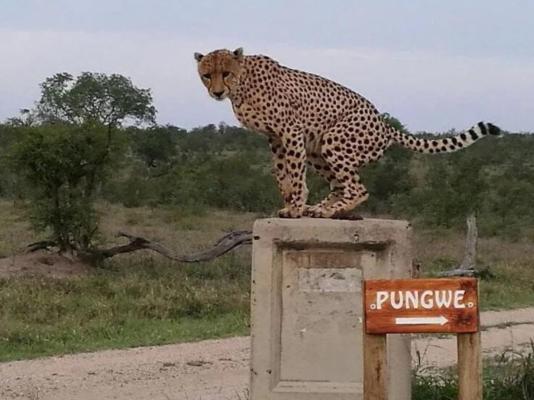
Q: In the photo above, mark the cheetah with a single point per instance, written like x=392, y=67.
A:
x=312, y=121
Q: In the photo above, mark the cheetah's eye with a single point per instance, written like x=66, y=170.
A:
x=206, y=76
x=225, y=74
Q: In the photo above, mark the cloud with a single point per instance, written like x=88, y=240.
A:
x=425, y=90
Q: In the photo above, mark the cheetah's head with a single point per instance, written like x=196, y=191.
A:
x=219, y=71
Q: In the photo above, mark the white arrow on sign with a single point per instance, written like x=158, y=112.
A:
x=441, y=320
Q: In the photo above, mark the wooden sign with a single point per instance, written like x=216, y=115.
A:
x=421, y=306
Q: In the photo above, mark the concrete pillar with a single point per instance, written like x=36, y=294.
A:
x=307, y=306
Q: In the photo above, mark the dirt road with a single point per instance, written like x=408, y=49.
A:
x=210, y=370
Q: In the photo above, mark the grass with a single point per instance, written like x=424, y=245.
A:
x=14, y=229
x=142, y=303
x=142, y=299
x=511, y=263
x=508, y=377
x=182, y=230
x=512, y=285
x=137, y=299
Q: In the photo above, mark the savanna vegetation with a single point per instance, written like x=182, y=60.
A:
x=89, y=159
x=228, y=168
x=509, y=376
x=94, y=137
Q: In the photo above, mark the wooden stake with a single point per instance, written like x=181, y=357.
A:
x=471, y=240
x=374, y=367
x=469, y=366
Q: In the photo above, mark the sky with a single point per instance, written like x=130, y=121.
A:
x=435, y=65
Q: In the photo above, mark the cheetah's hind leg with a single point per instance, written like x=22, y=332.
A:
x=320, y=166
x=322, y=209
x=353, y=194
x=317, y=210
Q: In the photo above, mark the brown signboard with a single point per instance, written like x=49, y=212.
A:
x=421, y=306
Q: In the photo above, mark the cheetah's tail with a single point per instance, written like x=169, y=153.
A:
x=445, y=145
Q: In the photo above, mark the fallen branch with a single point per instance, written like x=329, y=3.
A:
x=41, y=245
x=225, y=244
x=469, y=272
x=484, y=273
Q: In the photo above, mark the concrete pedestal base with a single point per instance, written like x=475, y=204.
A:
x=307, y=306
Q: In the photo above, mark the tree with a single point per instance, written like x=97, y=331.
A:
x=157, y=145
x=26, y=118
x=69, y=153
x=94, y=99
x=108, y=100
x=61, y=164
x=453, y=186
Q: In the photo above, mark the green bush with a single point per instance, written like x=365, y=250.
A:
x=68, y=144
x=64, y=165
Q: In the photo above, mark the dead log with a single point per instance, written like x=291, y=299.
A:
x=41, y=245
x=227, y=243
x=457, y=272
x=484, y=273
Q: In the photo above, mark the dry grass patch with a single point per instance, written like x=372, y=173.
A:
x=144, y=299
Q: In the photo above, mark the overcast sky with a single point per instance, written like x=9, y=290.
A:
x=435, y=65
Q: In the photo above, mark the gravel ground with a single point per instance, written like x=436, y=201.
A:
x=209, y=370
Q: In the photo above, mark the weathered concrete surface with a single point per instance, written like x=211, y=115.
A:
x=307, y=306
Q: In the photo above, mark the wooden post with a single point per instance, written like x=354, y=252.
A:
x=469, y=367
x=471, y=239
x=374, y=367
x=436, y=306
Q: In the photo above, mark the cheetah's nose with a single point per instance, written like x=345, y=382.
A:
x=218, y=94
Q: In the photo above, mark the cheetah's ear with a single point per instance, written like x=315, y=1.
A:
x=198, y=56
x=238, y=52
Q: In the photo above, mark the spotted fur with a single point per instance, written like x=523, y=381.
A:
x=313, y=121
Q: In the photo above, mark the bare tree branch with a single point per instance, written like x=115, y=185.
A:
x=225, y=244
x=483, y=273
x=458, y=272
x=41, y=245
